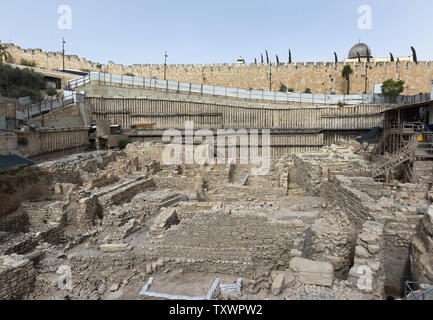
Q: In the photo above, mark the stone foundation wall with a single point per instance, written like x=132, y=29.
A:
x=422, y=251
x=423, y=172
x=17, y=277
x=368, y=274
x=357, y=205
x=92, y=208
x=26, y=242
x=220, y=242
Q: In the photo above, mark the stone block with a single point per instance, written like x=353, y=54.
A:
x=115, y=247
x=312, y=272
x=278, y=284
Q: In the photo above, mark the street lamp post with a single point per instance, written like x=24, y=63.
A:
x=366, y=77
x=63, y=51
x=165, y=66
x=270, y=76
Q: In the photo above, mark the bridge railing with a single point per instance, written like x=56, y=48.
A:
x=218, y=91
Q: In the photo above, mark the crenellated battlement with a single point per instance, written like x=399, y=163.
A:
x=319, y=77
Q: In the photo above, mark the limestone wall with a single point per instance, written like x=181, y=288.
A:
x=227, y=243
x=17, y=277
x=422, y=249
x=423, y=171
x=26, y=242
x=367, y=273
x=357, y=205
x=320, y=77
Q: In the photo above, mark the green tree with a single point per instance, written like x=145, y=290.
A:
x=15, y=83
x=283, y=88
x=123, y=144
x=347, y=71
x=391, y=89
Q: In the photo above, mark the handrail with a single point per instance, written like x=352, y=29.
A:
x=49, y=106
x=261, y=95
x=415, y=296
x=406, y=152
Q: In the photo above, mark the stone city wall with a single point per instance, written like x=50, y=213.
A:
x=320, y=77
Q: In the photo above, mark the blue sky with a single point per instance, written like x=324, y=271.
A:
x=202, y=31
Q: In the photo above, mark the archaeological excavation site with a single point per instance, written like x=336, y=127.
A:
x=128, y=188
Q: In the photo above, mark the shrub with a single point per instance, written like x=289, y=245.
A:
x=392, y=89
x=308, y=90
x=123, y=144
x=22, y=141
x=340, y=104
x=15, y=83
x=291, y=90
x=283, y=87
x=130, y=74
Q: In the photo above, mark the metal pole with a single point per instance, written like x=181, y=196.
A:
x=63, y=50
x=270, y=77
x=165, y=66
x=366, y=77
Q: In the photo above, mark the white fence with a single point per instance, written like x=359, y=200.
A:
x=30, y=111
x=262, y=95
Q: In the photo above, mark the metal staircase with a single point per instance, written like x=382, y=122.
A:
x=428, y=135
x=396, y=159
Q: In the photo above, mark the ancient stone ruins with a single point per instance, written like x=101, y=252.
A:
x=343, y=213
x=99, y=225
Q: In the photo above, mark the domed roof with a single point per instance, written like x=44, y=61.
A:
x=361, y=48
